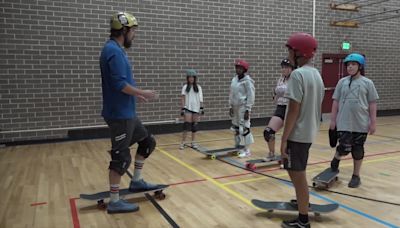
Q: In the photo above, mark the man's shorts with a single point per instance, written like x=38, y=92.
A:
x=125, y=133
x=280, y=111
x=297, y=156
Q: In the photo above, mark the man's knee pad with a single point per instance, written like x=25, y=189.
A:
x=186, y=126
x=358, y=152
x=120, y=161
x=343, y=149
x=194, y=127
x=269, y=134
x=146, y=146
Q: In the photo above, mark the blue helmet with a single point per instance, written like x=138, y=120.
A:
x=191, y=72
x=355, y=57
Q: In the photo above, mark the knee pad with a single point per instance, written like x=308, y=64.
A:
x=269, y=134
x=246, y=131
x=194, y=127
x=186, y=126
x=343, y=149
x=120, y=161
x=358, y=152
x=146, y=146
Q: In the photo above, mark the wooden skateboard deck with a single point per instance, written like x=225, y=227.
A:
x=213, y=154
x=122, y=192
x=270, y=206
x=325, y=179
x=256, y=163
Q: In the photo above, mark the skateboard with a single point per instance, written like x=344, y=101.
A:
x=325, y=179
x=317, y=209
x=256, y=163
x=100, y=196
x=213, y=154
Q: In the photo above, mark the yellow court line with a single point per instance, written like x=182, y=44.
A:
x=216, y=183
x=312, y=170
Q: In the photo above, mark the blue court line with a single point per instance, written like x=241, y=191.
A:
x=375, y=219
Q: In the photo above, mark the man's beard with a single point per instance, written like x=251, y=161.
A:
x=127, y=43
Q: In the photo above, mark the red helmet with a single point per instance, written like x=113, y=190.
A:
x=303, y=43
x=242, y=63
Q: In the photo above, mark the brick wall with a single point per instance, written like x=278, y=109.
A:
x=50, y=78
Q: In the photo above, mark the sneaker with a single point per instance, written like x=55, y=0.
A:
x=194, y=145
x=141, y=186
x=295, y=223
x=270, y=157
x=182, y=146
x=354, y=182
x=335, y=164
x=244, y=153
x=121, y=206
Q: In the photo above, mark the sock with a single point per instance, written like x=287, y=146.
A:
x=138, y=170
x=303, y=218
x=114, y=192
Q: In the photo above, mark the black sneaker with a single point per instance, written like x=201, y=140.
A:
x=335, y=164
x=354, y=182
x=295, y=223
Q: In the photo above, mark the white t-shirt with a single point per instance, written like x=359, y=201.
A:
x=192, y=99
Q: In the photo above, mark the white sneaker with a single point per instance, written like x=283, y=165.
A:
x=244, y=153
x=195, y=145
x=182, y=146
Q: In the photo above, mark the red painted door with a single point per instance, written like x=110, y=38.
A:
x=333, y=69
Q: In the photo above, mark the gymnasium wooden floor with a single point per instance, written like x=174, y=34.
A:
x=40, y=184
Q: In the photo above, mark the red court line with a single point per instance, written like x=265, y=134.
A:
x=74, y=212
x=37, y=204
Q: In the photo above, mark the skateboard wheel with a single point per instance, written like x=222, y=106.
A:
x=270, y=211
x=159, y=195
x=101, y=205
x=317, y=214
x=336, y=178
x=213, y=157
x=313, y=184
x=251, y=166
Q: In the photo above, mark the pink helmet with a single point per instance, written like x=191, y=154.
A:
x=242, y=63
x=303, y=43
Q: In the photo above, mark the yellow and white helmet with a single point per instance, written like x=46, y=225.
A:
x=122, y=19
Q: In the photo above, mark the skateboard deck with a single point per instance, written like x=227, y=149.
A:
x=123, y=192
x=317, y=209
x=325, y=179
x=256, y=163
x=213, y=154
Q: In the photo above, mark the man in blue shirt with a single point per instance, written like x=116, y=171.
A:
x=119, y=111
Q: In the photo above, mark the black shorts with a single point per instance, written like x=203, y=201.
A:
x=187, y=111
x=351, y=142
x=125, y=133
x=298, y=156
x=280, y=111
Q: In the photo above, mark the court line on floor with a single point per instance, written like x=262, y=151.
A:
x=208, y=178
x=348, y=208
x=74, y=212
x=312, y=170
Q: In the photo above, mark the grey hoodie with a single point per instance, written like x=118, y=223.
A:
x=242, y=92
